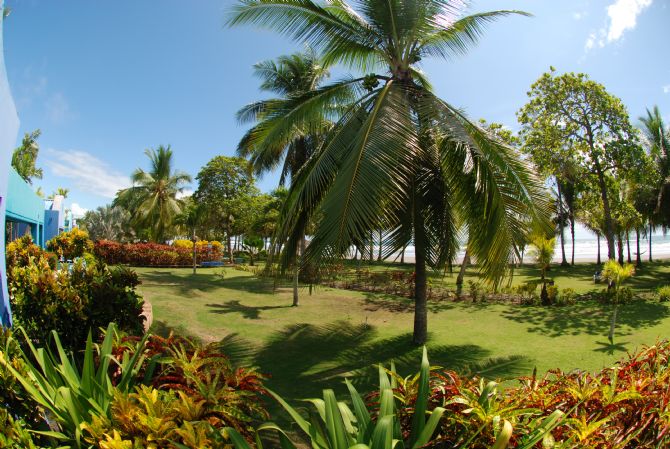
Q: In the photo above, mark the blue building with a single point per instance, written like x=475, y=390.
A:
x=24, y=213
x=54, y=218
x=9, y=127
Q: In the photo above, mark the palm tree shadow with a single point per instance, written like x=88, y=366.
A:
x=611, y=348
x=235, y=306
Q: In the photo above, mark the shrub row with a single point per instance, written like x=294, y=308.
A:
x=153, y=254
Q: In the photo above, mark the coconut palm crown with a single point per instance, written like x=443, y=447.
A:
x=153, y=198
x=398, y=156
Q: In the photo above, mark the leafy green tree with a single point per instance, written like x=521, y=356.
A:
x=225, y=186
x=107, y=223
x=24, y=158
x=583, y=123
x=398, y=154
x=62, y=191
x=153, y=200
x=252, y=244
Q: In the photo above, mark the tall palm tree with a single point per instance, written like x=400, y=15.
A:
x=398, y=145
x=289, y=77
x=152, y=200
x=657, y=136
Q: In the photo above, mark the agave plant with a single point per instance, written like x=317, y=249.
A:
x=336, y=426
x=71, y=396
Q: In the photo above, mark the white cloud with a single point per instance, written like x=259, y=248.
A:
x=579, y=15
x=621, y=17
x=88, y=172
x=77, y=210
x=184, y=193
x=666, y=89
x=57, y=108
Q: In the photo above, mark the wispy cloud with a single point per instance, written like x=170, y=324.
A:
x=579, y=15
x=621, y=17
x=185, y=193
x=87, y=172
x=666, y=89
x=57, y=108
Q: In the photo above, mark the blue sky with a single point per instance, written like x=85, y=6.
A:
x=105, y=80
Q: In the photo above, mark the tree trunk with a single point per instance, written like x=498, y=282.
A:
x=464, y=264
x=379, y=251
x=564, y=261
x=609, y=226
x=572, y=237
x=628, y=246
x=230, y=246
x=638, y=259
x=620, y=248
x=402, y=255
x=420, y=281
x=296, y=303
x=598, y=240
x=194, y=254
x=650, y=231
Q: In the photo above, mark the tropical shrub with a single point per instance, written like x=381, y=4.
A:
x=188, y=244
x=154, y=254
x=23, y=252
x=13, y=433
x=70, y=395
x=71, y=244
x=72, y=301
x=664, y=293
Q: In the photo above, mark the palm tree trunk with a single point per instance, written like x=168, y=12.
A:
x=564, y=261
x=598, y=243
x=628, y=246
x=379, y=251
x=296, y=271
x=194, y=255
x=572, y=237
x=650, y=231
x=420, y=281
x=402, y=255
x=230, y=246
x=620, y=248
x=607, y=212
x=464, y=264
x=638, y=259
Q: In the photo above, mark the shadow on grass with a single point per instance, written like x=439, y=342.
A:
x=205, y=280
x=588, y=318
x=248, y=312
x=303, y=359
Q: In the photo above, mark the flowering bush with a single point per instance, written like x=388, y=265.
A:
x=71, y=244
x=72, y=301
x=153, y=254
x=188, y=244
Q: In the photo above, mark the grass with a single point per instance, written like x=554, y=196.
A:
x=336, y=333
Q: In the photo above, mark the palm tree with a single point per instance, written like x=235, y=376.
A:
x=152, y=200
x=107, y=223
x=62, y=191
x=289, y=77
x=190, y=220
x=657, y=137
x=24, y=157
x=397, y=144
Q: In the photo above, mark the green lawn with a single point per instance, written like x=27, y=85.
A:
x=335, y=333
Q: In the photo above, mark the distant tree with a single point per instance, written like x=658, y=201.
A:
x=39, y=192
x=543, y=251
x=24, y=158
x=60, y=191
x=191, y=220
x=153, y=200
x=253, y=244
x=585, y=124
x=225, y=187
x=108, y=223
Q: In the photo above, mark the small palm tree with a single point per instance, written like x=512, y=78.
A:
x=190, y=220
x=397, y=154
x=24, y=157
x=152, y=200
x=107, y=223
x=543, y=251
x=616, y=275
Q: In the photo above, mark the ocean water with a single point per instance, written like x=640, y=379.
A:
x=586, y=249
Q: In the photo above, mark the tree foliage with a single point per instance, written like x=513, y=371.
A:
x=153, y=201
x=398, y=156
x=24, y=158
